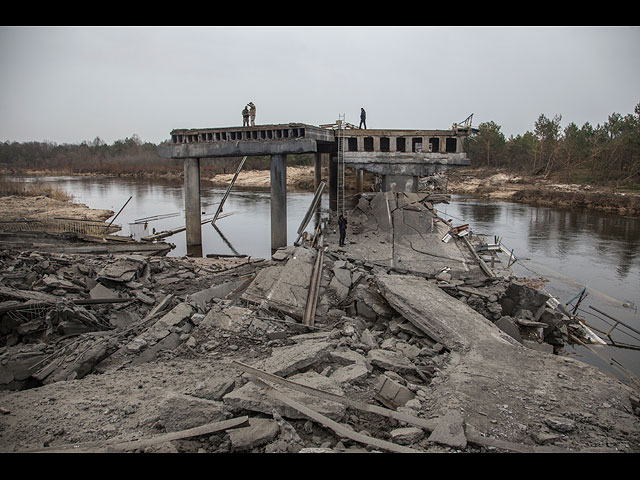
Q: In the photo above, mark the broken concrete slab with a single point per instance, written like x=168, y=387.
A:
x=285, y=361
x=406, y=435
x=201, y=298
x=350, y=374
x=101, y=292
x=284, y=287
x=390, y=360
x=123, y=269
x=253, y=398
x=449, y=430
x=179, y=412
x=391, y=393
x=178, y=315
x=214, y=388
x=232, y=319
x=259, y=432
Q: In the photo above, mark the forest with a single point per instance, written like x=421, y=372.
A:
x=607, y=154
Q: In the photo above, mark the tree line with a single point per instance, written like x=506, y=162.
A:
x=604, y=154
x=130, y=156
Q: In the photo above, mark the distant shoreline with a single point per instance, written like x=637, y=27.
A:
x=494, y=185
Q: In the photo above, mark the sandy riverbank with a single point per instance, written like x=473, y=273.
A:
x=531, y=190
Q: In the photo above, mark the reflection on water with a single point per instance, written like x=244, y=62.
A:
x=571, y=249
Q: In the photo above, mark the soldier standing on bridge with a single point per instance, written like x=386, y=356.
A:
x=342, y=225
x=245, y=116
x=363, y=118
x=252, y=113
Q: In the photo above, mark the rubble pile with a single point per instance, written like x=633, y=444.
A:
x=154, y=354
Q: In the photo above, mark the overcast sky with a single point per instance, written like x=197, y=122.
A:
x=72, y=84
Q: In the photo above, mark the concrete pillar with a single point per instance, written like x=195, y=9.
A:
x=192, y=201
x=392, y=144
x=333, y=183
x=278, y=201
x=317, y=170
x=359, y=180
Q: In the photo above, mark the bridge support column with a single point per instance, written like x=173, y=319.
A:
x=333, y=184
x=399, y=183
x=278, y=201
x=359, y=180
x=317, y=170
x=192, y=201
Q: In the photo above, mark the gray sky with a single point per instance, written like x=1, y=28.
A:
x=71, y=84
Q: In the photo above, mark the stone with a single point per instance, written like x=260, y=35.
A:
x=201, y=298
x=179, y=314
x=391, y=393
x=214, y=388
x=101, y=292
x=253, y=398
x=350, y=373
x=449, y=430
x=285, y=361
x=406, y=435
x=508, y=326
x=232, y=319
x=560, y=424
x=389, y=360
x=180, y=412
x=259, y=432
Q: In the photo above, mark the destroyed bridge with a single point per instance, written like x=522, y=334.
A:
x=400, y=157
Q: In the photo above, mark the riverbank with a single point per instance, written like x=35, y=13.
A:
x=500, y=185
x=483, y=183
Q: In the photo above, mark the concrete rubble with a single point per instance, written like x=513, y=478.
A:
x=414, y=349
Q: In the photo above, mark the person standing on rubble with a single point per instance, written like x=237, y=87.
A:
x=245, y=116
x=252, y=113
x=342, y=225
x=363, y=118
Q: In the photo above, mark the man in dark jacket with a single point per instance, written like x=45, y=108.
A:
x=342, y=224
x=363, y=118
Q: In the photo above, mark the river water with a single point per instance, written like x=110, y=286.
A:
x=571, y=249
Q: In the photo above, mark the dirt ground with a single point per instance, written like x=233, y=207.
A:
x=15, y=208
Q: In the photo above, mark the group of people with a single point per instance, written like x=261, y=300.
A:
x=249, y=115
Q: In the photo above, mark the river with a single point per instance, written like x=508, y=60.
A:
x=571, y=249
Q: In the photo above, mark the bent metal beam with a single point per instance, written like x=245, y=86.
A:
x=399, y=156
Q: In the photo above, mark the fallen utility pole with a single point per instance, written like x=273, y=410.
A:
x=314, y=287
x=312, y=208
x=226, y=194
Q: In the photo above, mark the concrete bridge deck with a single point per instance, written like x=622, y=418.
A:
x=399, y=156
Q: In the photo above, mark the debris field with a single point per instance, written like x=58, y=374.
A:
x=411, y=347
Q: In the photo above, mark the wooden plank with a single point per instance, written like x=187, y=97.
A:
x=340, y=429
x=473, y=435
x=105, y=446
